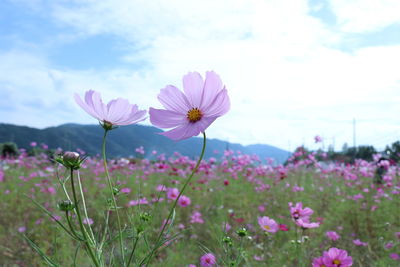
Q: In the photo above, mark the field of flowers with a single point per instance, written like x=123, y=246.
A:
x=66, y=209
x=237, y=211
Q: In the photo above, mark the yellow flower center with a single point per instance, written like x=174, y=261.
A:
x=337, y=262
x=266, y=227
x=194, y=115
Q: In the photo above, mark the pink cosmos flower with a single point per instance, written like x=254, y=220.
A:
x=395, y=256
x=306, y=224
x=208, y=260
x=196, y=217
x=172, y=193
x=191, y=112
x=359, y=243
x=335, y=257
x=268, y=225
x=318, y=262
x=116, y=112
x=184, y=201
x=332, y=235
x=317, y=139
x=298, y=212
x=88, y=221
x=283, y=227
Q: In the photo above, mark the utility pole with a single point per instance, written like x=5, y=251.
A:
x=354, y=133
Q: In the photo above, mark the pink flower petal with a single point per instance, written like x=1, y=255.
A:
x=173, y=99
x=98, y=105
x=165, y=118
x=212, y=86
x=85, y=106
x=193, y=87
x=182, y=132
x=117, y=109
x=219, y=106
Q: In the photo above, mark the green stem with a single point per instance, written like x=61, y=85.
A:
x=71, y=227
x=78, y=213
x=133, y=251
x=84, y=207
x=156, y=246
x=110, y=185
x=237, y=261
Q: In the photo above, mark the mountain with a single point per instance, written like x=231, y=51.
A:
x=123, y=141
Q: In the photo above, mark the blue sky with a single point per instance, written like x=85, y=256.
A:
x=293, y=68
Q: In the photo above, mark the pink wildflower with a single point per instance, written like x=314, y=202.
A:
x=88, y=221
x=283, y=227
x=172, y=193
x=395, y=256
x=298, y=212
x=335, y=257
x=191, y=112
x=116, y=112
x=184, y=201
x=318, y=262
x=125, y=190
x=268, y=225
x=305, y=223
x=196, y=218
x=332, y=235
x=358, y=242
x=208, y=260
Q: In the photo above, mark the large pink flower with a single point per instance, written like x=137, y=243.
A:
x=268, y=224
x=298, y=212
x=335, y=257
x=208, y=260
x=191, y=112
x=116, y=112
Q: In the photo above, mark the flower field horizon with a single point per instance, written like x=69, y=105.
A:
x=222, y=212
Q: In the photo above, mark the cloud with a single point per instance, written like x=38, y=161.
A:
x=365, y=15
x=287, y=77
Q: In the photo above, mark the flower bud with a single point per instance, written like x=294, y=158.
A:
x=70, y=160
x=227, y=240
x=242, y=232
x=115, y=191
x=144, y=216
x=65, y=205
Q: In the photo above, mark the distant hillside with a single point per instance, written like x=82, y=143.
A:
x=123, y=141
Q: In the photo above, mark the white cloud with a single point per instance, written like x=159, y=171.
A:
x=365, y=15
x=286, y=81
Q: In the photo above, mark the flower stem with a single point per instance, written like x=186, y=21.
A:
x=133, y=251
x=78, y=213
x=156, y=246
x=110, y=185
x=84, y=207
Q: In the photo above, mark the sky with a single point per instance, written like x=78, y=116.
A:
x=294, y=69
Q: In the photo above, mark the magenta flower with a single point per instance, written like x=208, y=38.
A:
x=318, y=262
x=268, y=225
x=172, y=193
x=184, y=201
x=116, y=112
x=298, y=212
x=208, y=260
x=335, y=257
x=306, y=224
x=191, y=112
x=358, y=242
x=196, y=217
x=332, y=235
